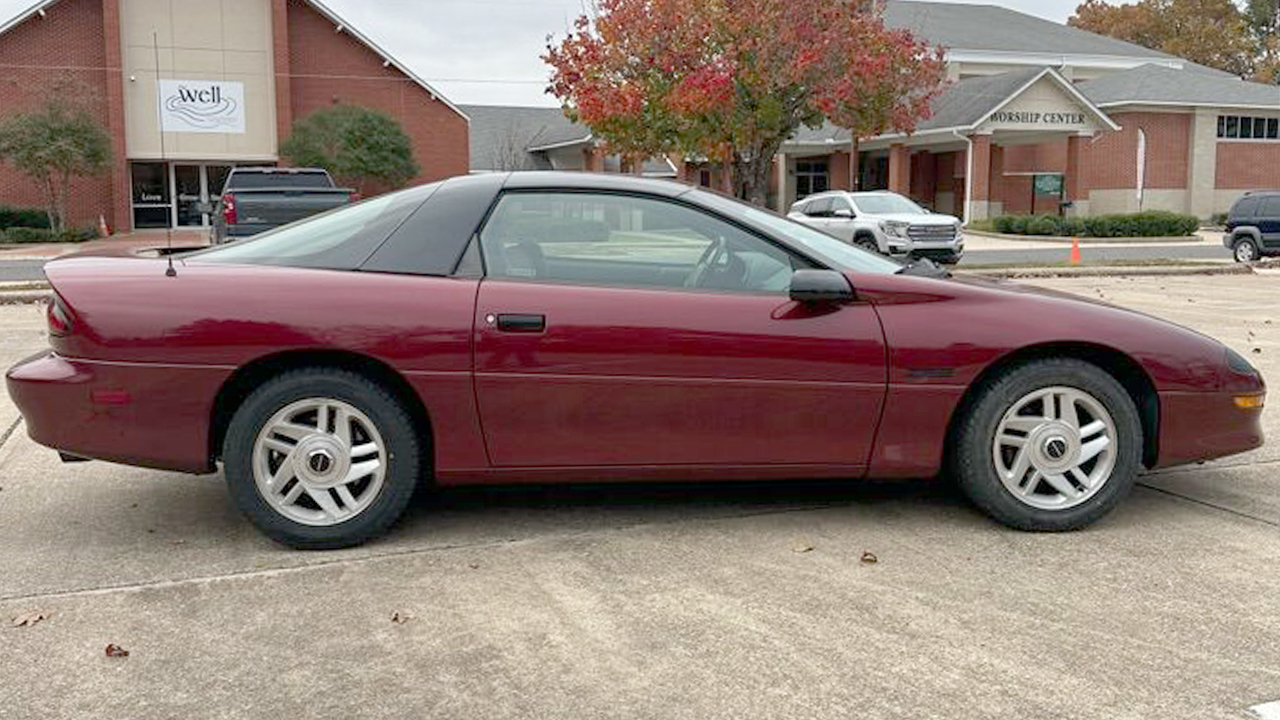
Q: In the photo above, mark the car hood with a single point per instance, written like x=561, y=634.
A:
x=984, y=319
x=916, y=218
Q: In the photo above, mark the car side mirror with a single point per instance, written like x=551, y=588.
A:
x=845, y=213
x=820, y=286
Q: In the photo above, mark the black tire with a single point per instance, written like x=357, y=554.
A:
x=974, y=468
x=866, y=242
x=1245, y=250
x=393, y=422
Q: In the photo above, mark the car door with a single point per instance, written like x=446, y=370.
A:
x=841, y=220
x=1268, y=220
x=818, y=214
x=620, y=330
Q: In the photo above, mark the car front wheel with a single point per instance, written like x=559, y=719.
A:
x=1246, y=250
x=321, y=459
x=1051, y=445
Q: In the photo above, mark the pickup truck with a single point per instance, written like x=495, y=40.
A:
x=257, y=199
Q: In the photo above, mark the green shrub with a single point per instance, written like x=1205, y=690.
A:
x=43, y=235
x=1042, y=225
x=1153, y=223
x=1218, y=220
x=22, y=217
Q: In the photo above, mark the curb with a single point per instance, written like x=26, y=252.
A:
x=1136, y=271
x=1167, y=240
x=23, y=297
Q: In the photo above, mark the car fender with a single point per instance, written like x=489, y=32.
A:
x=1248, y=231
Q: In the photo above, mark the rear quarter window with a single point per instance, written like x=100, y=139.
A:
x=1245, y=208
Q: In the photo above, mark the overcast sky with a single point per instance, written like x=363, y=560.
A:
x=487, y=51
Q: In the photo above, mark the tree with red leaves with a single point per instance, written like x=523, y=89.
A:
x=737, y=78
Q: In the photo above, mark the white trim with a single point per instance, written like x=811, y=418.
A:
x=344, y=26
x=1171, y=104
x=1011, y=57
x=558, y=145
x=36, y=9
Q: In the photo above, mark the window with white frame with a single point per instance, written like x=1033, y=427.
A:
x=1243, y=127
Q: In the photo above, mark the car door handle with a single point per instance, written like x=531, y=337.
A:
x=520, y=323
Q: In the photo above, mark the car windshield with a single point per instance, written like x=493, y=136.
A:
x=835, y=254
x=886, y=204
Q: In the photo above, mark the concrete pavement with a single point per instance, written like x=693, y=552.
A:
x=704, y=601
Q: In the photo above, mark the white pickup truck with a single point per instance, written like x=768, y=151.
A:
x=884, y=222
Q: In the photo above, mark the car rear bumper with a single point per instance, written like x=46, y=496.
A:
x=137, y=414
x=1204, y=426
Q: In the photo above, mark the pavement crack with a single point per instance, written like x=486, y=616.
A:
x=1214, y=506
x=9, y=433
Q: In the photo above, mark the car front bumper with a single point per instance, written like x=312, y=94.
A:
x=1198, y=426
x=153, y=416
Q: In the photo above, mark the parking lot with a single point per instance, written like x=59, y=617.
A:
x=670, y=601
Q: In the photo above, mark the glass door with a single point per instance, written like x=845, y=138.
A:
x=189, y=193
x=151, y=206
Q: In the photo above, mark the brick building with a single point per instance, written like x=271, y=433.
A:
x=232, y=77
x=1037, y=116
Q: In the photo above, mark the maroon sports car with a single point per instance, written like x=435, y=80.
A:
x=549, y=327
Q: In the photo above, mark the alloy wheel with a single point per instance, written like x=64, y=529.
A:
x=319, y=462
x=1246, y=252
x=1055, y=448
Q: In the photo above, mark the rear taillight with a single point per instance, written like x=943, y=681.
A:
x=60, y=323
x=356, y=197
x=229, y=209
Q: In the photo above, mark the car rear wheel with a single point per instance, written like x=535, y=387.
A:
x=1051, y=445
x=321, y=459
x=1246, y=250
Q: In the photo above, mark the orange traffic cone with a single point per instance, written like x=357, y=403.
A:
x=103, y=230
x=1075, y=251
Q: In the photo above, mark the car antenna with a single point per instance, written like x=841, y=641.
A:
x=171, y=271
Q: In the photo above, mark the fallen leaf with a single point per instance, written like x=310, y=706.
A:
x=803, y=549
x=400, y=618
x=1257, y=351
x=115, y=651
x=474, y=566
x=869, y=558
x=29, y=619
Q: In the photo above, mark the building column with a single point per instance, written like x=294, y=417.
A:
x=595, y=159
x=283, y=69
x=1074, y=187
x=121, y=215
x=900, y=169
x=1202, y=171
x=978, y=179
x=995, y=197
x=784, y=192
x=677, y=161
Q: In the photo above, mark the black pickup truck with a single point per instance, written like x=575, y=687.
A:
x=257, y=199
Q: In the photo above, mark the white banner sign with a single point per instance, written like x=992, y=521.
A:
x=202, y=106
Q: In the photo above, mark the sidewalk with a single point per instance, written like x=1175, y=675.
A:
x=977, y=242
x=139, y=240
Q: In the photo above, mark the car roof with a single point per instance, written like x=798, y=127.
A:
x=562, y=180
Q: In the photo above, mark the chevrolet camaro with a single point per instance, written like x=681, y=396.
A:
x=559, y=327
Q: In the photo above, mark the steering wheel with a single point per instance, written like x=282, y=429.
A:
x=709, y=256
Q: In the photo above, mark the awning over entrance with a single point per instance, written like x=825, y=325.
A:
x=977, y=117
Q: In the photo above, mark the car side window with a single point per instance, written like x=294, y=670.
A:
x=819, y=208
x=623, y=240
x=1270, y=207
x=1245, y=208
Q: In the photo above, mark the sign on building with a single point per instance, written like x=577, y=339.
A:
x=202, y=106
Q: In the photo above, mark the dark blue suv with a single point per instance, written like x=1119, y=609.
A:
x=1253, y=226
